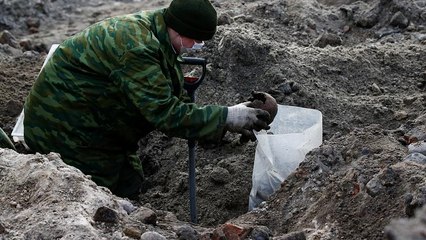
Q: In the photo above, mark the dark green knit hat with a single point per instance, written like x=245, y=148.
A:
x=196, y=19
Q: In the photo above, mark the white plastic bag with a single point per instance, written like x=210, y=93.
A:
x=294, y=132
x=18, y=129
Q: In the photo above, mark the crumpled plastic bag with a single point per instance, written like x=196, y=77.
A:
x=294, y=132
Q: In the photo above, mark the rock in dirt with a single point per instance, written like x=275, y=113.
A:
x=7, y=38
x=106, y=214
x=260, y=233
x=26, y=44
x=416, y=157
x=33, y=22
x=417, y=147
x=399, y=20
x=127, y=206
x=374, y=186
x=145, y=215
x=231, y=232
x=132, y=232
x=328, y=39
x=220, y=175
x=186, y=232
x=224, y=19
x=152, y=236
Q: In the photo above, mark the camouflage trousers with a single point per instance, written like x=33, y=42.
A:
x=123, y=175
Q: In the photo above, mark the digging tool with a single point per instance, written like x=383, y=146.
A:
x=191, y=84
x=5, y=141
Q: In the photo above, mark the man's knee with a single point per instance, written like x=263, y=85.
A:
x=129, y=183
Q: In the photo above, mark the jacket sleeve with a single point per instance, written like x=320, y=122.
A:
x=141, y=78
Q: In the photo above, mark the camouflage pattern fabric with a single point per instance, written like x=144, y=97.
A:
x=105, y=88
x=5, y=141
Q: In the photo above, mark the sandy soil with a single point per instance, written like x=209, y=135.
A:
x=362, y=64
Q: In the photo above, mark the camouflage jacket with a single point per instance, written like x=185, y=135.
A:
x=109, y=85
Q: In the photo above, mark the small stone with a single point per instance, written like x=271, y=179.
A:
x=368, y=19
x=30, y=54
x=127, y=206
x=170, y=217
x=7, y=38
x=186, y=232
x=333, y=17
x=224, y=19
x=388, y=177
x=399, y=20
x=409, y=100
x=105, y=214
x=417, y=147
x=33, y=22
x=401, y=115
x=376, y=88
x=40, y=47
x=288, y=88
x=145, y=215
x=420, y=36
x=260, y=233
x=374, y=187
x=346, y=29
x=152, y=236
x=328, y=39
x=132, y=232
x=311, y=24
x=231, y=232
x=411, y=27
x=249, y=18
x=220, y=175
x=33, y=30
x=416, y=157
x=26, y=44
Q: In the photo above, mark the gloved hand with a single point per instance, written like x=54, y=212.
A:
x=244, y=119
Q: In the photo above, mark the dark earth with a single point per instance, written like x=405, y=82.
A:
x=361, y=63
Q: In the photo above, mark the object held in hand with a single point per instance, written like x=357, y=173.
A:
x=264, y=101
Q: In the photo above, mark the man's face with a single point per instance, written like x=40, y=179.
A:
x=187, y=42
x=181, y=43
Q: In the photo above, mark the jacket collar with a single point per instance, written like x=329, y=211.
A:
x=159, y=28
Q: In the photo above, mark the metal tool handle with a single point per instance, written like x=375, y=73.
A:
x=190, y=85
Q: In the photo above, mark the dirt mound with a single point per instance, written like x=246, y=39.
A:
x=43, y=198
x=361, y=63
